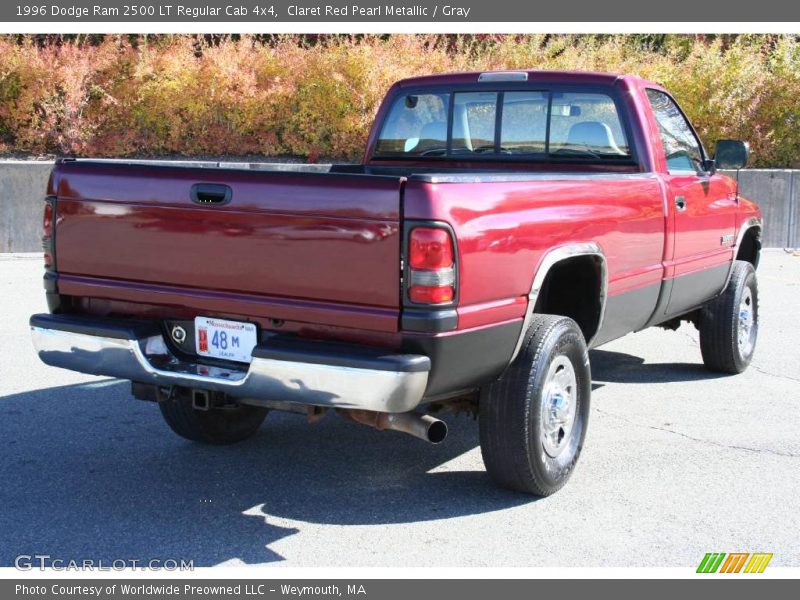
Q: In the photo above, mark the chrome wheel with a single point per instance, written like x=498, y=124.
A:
x=559, y=404
x=746, y=323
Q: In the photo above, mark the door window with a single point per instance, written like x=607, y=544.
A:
x=681, y=147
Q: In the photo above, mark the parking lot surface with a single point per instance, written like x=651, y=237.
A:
x=677, y=462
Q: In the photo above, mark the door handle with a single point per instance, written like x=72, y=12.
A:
x=211, y=193
x=680, y=203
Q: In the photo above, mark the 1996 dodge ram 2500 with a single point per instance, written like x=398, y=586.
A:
x=499, y=225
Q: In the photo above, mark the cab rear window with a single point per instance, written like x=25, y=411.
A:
x=498, y=124
x=415, y=126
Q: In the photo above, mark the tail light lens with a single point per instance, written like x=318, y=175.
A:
x=430, y=249
x=431, y=294
x=431, y=262
x=48, y=225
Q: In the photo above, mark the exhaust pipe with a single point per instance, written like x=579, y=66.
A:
x=424, y=427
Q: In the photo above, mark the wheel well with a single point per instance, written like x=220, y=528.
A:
x=573, y=288
x=750, y=247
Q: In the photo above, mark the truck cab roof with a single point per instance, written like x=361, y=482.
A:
x=530, y=75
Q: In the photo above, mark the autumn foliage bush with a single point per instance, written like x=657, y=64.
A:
x=316, y=97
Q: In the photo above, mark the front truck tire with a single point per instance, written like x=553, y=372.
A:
x=729, y=323
x=533, y=419
x=218, y=425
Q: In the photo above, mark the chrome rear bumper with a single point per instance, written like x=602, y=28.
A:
x=319, y=374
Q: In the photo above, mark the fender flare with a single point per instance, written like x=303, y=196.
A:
x=548, y=261
x=751, y=223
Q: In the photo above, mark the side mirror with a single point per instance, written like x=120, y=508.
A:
x=731, y=154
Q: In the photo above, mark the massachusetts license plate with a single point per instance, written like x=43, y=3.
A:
x=219, y=338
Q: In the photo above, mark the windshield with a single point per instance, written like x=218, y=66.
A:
x=582, y=125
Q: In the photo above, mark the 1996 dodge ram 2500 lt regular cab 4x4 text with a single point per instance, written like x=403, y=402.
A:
x=499, y=225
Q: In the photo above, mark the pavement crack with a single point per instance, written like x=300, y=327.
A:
x=700, y=440
x=776, y=375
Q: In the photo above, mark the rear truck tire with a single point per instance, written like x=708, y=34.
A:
x=217, y=425
x=533, y=419
x=729, y=323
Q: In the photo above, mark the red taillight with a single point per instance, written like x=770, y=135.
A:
x=431, y=262
x=427, y=294
x=47, y=232
x=430, y=248
x=47, y=218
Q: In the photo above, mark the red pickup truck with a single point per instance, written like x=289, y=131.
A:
x=499, y=225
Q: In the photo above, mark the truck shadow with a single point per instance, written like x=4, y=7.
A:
x=618, y=367
x=88, y=472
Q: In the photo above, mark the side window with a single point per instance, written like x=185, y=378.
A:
x=681, y=147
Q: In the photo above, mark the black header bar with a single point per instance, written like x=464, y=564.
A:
x=457, y=11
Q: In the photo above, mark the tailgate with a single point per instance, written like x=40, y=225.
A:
x=317, y=237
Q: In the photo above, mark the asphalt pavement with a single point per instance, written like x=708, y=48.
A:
x=677, y=462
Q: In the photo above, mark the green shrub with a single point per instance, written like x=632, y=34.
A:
x=316, y=96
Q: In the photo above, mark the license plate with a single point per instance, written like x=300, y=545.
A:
x=230, y=340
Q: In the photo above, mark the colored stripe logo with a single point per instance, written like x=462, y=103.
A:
x=734, y=562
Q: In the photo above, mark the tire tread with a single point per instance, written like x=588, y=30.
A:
x=718, y=323
x=507, y=457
